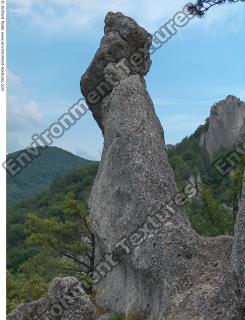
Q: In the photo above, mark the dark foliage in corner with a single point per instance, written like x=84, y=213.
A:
x=202, y=6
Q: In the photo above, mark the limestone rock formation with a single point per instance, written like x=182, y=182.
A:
x=66, y=301
x=148, y=258
x=238, y=256
x=226, y=125
x=123, y=40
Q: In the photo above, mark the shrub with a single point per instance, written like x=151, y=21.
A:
x=117, y=316
x=134, y=315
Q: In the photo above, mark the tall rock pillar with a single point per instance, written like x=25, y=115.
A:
x=148, y=258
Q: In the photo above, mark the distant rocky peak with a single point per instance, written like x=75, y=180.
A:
x=228, y=105
x=226, y=124
x=230, y=99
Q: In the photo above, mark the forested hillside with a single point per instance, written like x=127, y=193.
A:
x=211, y=212
x=44, y=232
x=32, y=264
x=55, y=217
x=188, y=158
x=40, y=173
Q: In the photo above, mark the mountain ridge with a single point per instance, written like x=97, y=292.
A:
x=52, y=163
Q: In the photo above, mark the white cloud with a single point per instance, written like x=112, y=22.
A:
x=23, y=120
x=14, y=82
x=59, y=16
x=22, y=117
x=20, y=7
x=242, y=95
x=21, y=114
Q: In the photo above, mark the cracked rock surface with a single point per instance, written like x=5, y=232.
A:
x=164, y=270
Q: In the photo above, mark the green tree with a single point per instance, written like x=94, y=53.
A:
x=32, y=266
x=66, y=242
x=208, y=217
x=21, y=289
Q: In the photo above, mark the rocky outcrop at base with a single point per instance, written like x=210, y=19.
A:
x=148, y=257
x=66, y=301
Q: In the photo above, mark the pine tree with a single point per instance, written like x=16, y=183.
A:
x=66, y=243
x=202, y=6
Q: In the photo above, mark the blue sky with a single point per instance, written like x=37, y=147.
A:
x=51, y=43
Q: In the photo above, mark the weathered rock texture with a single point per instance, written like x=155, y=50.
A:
x=122, y=39
x=66, y=301
x=164, y=269
x=238, y=257
x=226, y=125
